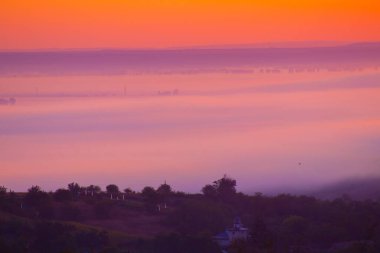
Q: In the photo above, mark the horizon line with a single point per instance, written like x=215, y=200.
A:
x=261, y=45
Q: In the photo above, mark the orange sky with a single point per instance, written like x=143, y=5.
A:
x=40, y=24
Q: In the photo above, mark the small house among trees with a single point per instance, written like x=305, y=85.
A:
x=237, y=233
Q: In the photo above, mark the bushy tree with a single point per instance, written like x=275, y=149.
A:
x=3, y=193
x=63, y=195
x=94, y=189
x=209, y=191
x=164, y=189
x=224, y=188
x=295, y=224
x=128, y=191
x=151, y=198
x=261, y=237
x=112, y=189
x=35, y=196
x=74, y=188
x=40, y=201
x=3, y=190
x=149, y=193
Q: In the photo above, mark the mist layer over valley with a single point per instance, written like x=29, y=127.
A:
x=274, y=126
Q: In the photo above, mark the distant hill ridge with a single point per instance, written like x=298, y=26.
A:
x=289, y=44
x=123, y=61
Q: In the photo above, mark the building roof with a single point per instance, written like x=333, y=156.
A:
x=222, y=236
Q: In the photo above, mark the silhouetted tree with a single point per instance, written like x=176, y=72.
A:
x=128, y=191
x=149, y=193
x=209, y=191
x=74, y=188
x=94, y=189
x=3, y=190
x=63, y=195
x=83, y=190
x=41, y=201
x=35, y=196
x=164, y=191
x=295, y=230
x=112, y=189
x=225, y=187
x=261, y=237
x=3, y=194
x=151, y=198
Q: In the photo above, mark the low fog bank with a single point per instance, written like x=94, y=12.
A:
x=358, y=188
x=273, y=132
x=361, y=188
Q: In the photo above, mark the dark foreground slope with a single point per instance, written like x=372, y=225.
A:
x=161, y=220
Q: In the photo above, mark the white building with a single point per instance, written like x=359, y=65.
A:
x=237, y=232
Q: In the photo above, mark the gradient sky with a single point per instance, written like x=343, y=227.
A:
x=41, y=24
